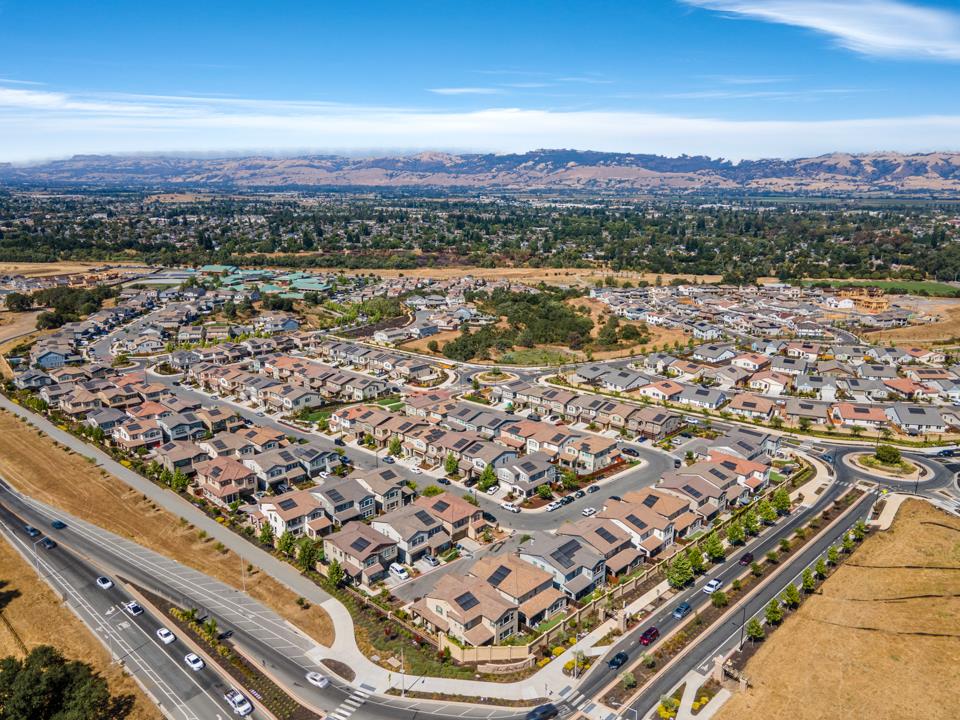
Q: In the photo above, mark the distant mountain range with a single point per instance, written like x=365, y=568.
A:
x=539, y=170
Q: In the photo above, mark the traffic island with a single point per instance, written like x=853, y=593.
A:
x=887, y=462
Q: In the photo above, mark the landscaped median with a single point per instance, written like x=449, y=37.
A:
x=724, y=605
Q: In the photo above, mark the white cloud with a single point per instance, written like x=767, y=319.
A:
x=883, y=28
x=38, y=124
x=464, y=91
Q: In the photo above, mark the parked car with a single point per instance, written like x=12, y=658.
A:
x=399, y=571
x=165, y=636
x=104, y=583
x=711, y=587
x=193, y=661
x=318, y=679
x=133, y=607
x=579, y=493
x=443, y=481
x=492, y=490
x=682, y=610
x=593, y=488
x=339, y=442
x=469, y=482
x=746, y=558
x=238, y=702
x=543, y=712
x=510, y=507
x=58, y=524
x=616, y=498
x=567, y=499
x=431, y=560
x=588, y=512
x=533, y=417
x=553, y=506
x=629, y=451
x=617, y=661
x=416, y=471
x=389, y=460
x=553, y=419
x=649, y=636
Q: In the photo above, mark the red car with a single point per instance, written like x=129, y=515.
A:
x=649, y=635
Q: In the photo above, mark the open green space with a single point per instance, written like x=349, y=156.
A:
x=907, y=287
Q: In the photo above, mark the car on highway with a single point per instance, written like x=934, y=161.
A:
x=746, y=558
x=593, y=489
x=58, y=524
x=543, y=712
x=318, y=679
x=682, y=610
x=104, y=583
x=31, y=530
x=711, y=587
x=238, y=702
x=649, y=635
x=165, y=636
x=510, y=507
x=617, y=661
x=588, y=512
x=133, y=607
x=555, y=505
x=48, y=543
x=193, y=661
x=630, y=452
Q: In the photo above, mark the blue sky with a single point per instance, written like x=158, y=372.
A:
x=732, y=78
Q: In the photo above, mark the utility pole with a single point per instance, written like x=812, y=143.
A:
x=743, y=621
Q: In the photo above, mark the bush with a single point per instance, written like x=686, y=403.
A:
x=887, y=454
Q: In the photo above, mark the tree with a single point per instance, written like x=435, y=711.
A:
x=766, y=512
x=335, y=573
x=210, y=628
x=629, y=680
x=450, y=464
x=179, y=482
x=776, y=422
x=166, y=477
x=790, y=595
x=308, y=552
x=719, y=599
x=735, y=532
x=808, y=581
x=266, y=534
x=781, y=500
x=833, y=555
x=857, y=430
x=487, y=479
x=713, y=547
x=679, y=572
x=847, y=543
x=695, y=558
x=18, y=302
x=544, y=492
x=395, y=446
x=773, y=612
x=285, y=543
x=431, y=491
x=805, y=424
x=887, y=454
x=859, y=530
x=750, y=522
x=820, y=568
x=755, y=631
x=45, y=685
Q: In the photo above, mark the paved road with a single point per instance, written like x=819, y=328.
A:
x=724, y=637
x=600, y=675
x=181, y=692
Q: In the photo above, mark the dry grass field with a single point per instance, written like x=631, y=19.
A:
x=947, y=328
x=46, y=269
x=37, y=616
x=33, y=464
x=882, y=640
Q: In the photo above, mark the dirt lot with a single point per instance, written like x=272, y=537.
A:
x=881, y=641
x=37, y=616
x=947, y=327
x=45, y=269
x=34, y=465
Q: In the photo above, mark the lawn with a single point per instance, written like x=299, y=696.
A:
x=536, y=356
x=908, y=287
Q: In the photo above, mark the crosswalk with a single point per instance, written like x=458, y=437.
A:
x=349, y=706
x=876, y=490
x=576, y=700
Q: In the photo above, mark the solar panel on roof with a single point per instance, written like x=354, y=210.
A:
x=650, y=500
x=335, y=495
x=360, y=544
x=562, y=560
x=691, y=491
x=441, y=505
x=636, y=521
x=424, y=517
x=287, y=504
x=466, y=601
x=499, y=575
x=605, y=534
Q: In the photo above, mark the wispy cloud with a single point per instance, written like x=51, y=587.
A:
x=586, y=80
x=812, y=94
x=464, y=91
x=882, y=28
x=11, y=81
x=40, y=123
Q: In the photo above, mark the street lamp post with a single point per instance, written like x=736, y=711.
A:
x=743, y=621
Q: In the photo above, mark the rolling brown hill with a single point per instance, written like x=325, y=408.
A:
x=557, y=170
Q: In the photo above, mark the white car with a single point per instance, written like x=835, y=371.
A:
x=193, y=661
x=588, y=512
x=510, y=507
x=165, y=636
x=324, y=474
x=238, y=702
x=711, y=587
x=133, y=607
x=553, y=506
x=318, y=679
x=416, y=471
x=493, y=490
x=399, y=571
x=104, y=583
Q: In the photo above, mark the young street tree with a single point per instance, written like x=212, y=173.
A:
x=833, y=555
x=679, y=572
x=266, y=535
x=781, y=500
x=450, y=464
x=285, y=543
x=791, y=595
x=713, y=547
x=755, y=630
x=395, y=446
x=695, y=558
x=750, y=522
x=808, y=581
x=766, y=512
x=773, y=612
x=820, y=568
x=335, y=573
x=735, y=533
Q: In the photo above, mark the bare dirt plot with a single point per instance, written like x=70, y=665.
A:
x=420, y=344
x=945, y=328
x=46, y=269
x=35, y=465
x=37, y=617
x=881, y=641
